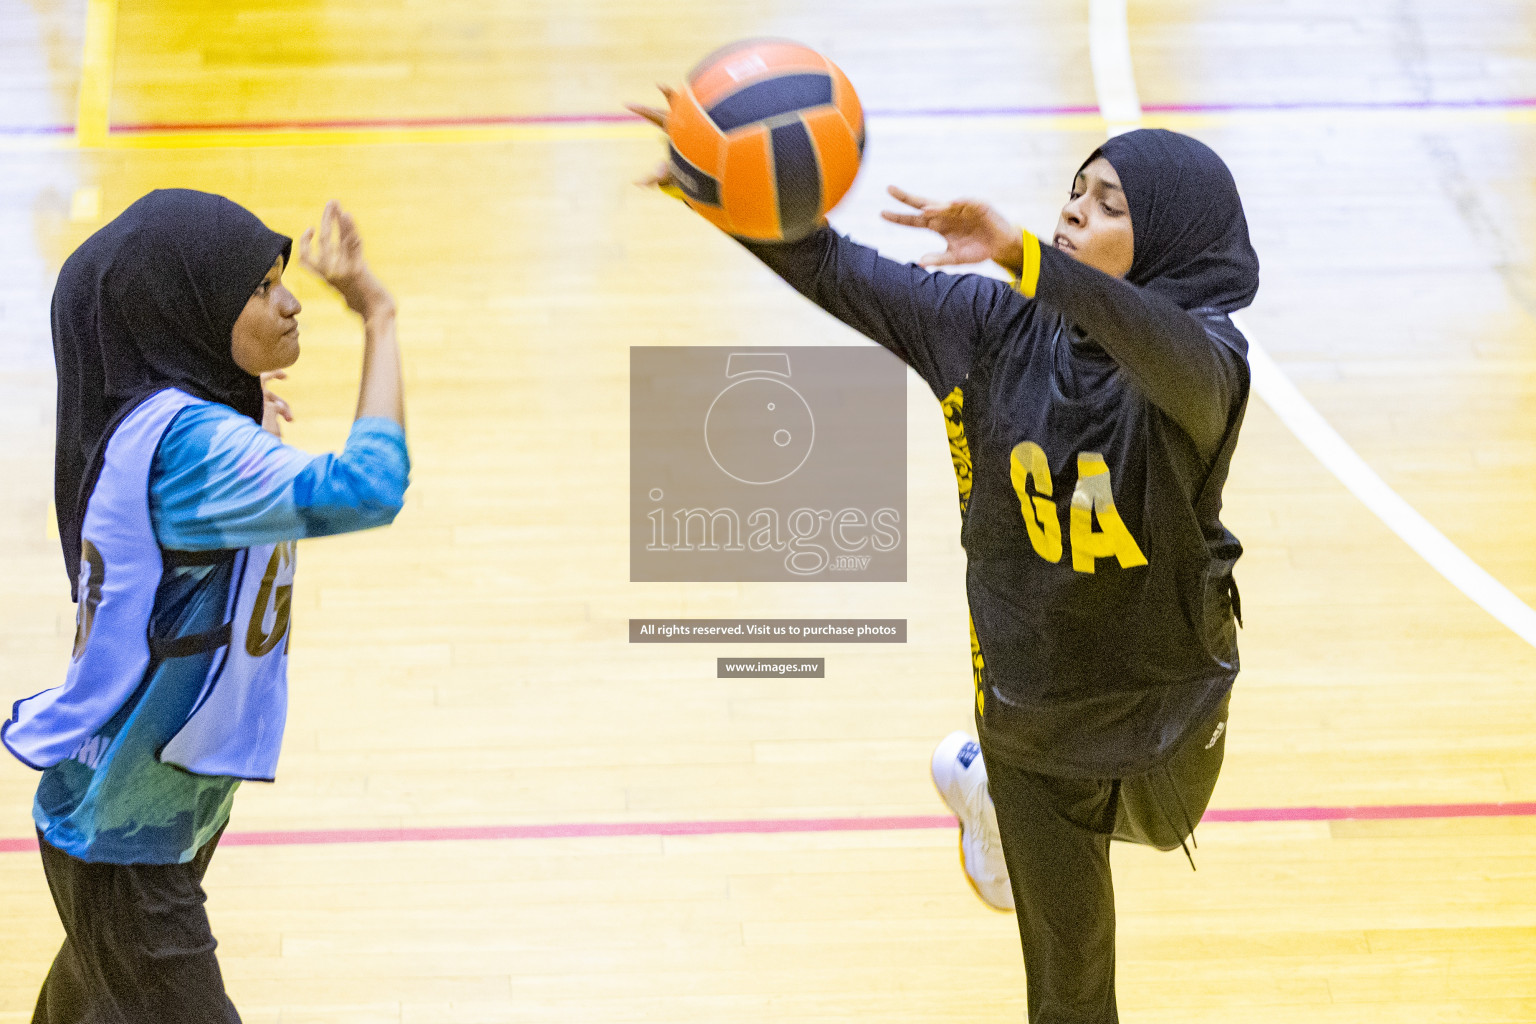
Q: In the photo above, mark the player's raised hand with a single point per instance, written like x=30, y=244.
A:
x=275, y=408
x=337, y=257
x=973, y=231
x=661, y=177
x=656, y=115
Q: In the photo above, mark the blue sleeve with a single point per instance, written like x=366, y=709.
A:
x=220, y=481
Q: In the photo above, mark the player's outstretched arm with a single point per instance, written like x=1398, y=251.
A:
x=337, y=257
x=931, y=321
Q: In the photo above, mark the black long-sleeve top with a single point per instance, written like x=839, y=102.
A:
x=1091, y=429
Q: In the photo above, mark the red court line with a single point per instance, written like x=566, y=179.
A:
x=1505, y=103
x=372, y=123
x=1378, y=812
x=1500, y=103
x=765, y=826
x=1049, y=110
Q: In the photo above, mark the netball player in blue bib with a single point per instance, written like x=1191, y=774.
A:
x=1092, y=410
x=178, y=509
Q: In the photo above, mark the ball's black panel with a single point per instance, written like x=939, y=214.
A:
x=783, y=95
x=696, y=185
x=798, y=175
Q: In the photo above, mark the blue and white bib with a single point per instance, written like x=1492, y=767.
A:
x=235, y=727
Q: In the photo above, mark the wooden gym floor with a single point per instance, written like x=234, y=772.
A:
x=469, y=668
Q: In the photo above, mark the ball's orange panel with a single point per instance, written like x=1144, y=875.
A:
x=693, y=134
x=837, y=149
x=730, y=68
x=712, y=214
x=846, y=100
x=747, y=188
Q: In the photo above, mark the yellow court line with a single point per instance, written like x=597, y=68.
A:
x=95, y=102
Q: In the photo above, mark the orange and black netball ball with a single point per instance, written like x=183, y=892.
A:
x=766, y=137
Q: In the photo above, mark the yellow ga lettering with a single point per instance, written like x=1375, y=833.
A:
x=1093, y=498
x=1028, y=463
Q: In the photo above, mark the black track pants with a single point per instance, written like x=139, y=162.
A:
x=137, y=947
x=1056, y=834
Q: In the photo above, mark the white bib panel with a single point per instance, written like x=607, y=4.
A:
x=236, y=727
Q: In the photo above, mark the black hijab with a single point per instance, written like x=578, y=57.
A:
x=149, y=302
x=1191, y=238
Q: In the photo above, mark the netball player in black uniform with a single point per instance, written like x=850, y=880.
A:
x=1092, y=409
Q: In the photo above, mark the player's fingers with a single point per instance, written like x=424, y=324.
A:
x=911, y=220
x=328, y=226
x=305, y=256
x=945, y=213
x=911, y=200
x=321, y=238
x=661, y=178
x=937, y=259
x=651, y=114
x=347, y=234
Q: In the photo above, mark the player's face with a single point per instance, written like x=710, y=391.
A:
x=1095, y=225
x=266, y=336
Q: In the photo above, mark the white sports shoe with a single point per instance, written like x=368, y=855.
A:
x=960, y=776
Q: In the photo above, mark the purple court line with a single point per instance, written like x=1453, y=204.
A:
x=37, y=129
x=1516, y=103
x=767, y=826
x=1511, y=103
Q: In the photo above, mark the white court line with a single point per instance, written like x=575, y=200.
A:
x=1109, y=48
x=1114, y=76
x=1363, y=482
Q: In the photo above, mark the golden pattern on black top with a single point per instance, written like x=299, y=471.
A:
x=959, y=451
x=977, y=670
x=960, y=455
